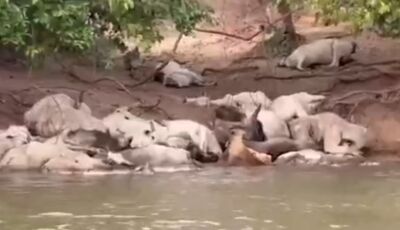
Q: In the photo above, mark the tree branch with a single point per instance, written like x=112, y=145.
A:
x=261, y=29
x=177, y=43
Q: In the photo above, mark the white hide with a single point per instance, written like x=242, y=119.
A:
x=13, y=137
x=52, y=157
x=199, y=101
x=302, y=157
x=55, y=113
x=176, y=75
x=245, y=101
x=323, y=51
x=301, y=104
x=31, y=156
x=310, y=157
x=118, y=159
x=201, y=136
x=331, y=130
x=120, y=114
x=122, y=121
x=74, y=163
x=156, y=155
x=146, y=132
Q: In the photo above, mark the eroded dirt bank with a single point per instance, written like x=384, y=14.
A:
x=371, y=90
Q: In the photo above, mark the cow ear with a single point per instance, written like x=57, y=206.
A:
x=152, y=127
x=118, y=130
x=129, y=108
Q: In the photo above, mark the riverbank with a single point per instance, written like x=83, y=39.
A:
x=371, y=95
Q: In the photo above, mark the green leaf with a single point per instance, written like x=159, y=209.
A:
x=384, y=8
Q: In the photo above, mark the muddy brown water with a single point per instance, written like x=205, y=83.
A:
x=361, y=198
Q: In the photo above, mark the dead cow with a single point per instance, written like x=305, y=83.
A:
x=175, y=75
x=13, y=137
x=55, y=113
x=324, y=51
x=238, y=154
x=252, y=127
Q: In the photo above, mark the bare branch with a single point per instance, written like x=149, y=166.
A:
x=261, y=29
x=177, y=43
x=155, y=106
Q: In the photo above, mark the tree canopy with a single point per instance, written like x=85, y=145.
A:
x=381, y=16
x=39, y=27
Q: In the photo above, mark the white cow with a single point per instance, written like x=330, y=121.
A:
x=36, y=155
x=175, y=75
x=13, y=137
x=331, y=132
x=244, y=101
x=324, y=51
x=55, y=113
x=176, y=133
x=300, y=104
x=157, y=155
x=311, y=157
x=122, y=121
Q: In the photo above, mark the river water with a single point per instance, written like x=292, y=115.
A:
x=362, y=198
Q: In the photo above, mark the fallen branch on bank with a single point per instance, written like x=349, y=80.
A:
x=343, y=70
x=16, y=99
x=124, y=87
x=229, y=70
x=155, y=106
x=382, y=96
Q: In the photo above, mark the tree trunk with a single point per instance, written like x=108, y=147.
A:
x=288, y=25
x=284, y=39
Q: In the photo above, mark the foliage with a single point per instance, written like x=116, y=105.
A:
x=40, y=27
x=139, y=18
x=382, y=16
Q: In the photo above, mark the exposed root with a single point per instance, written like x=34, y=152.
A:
x=148, y=107
x=120, y=84
x=378, y=93
x=72, y=73
x=16, y=100
x=371, y=64
x=343, y=70
x=45, y=87
x=210, y=83
x=242, y=59
x=229, y=70
x=382, y=96
x=44, y=91
x=154, y=107
x=308, y=75
x=338, y=81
